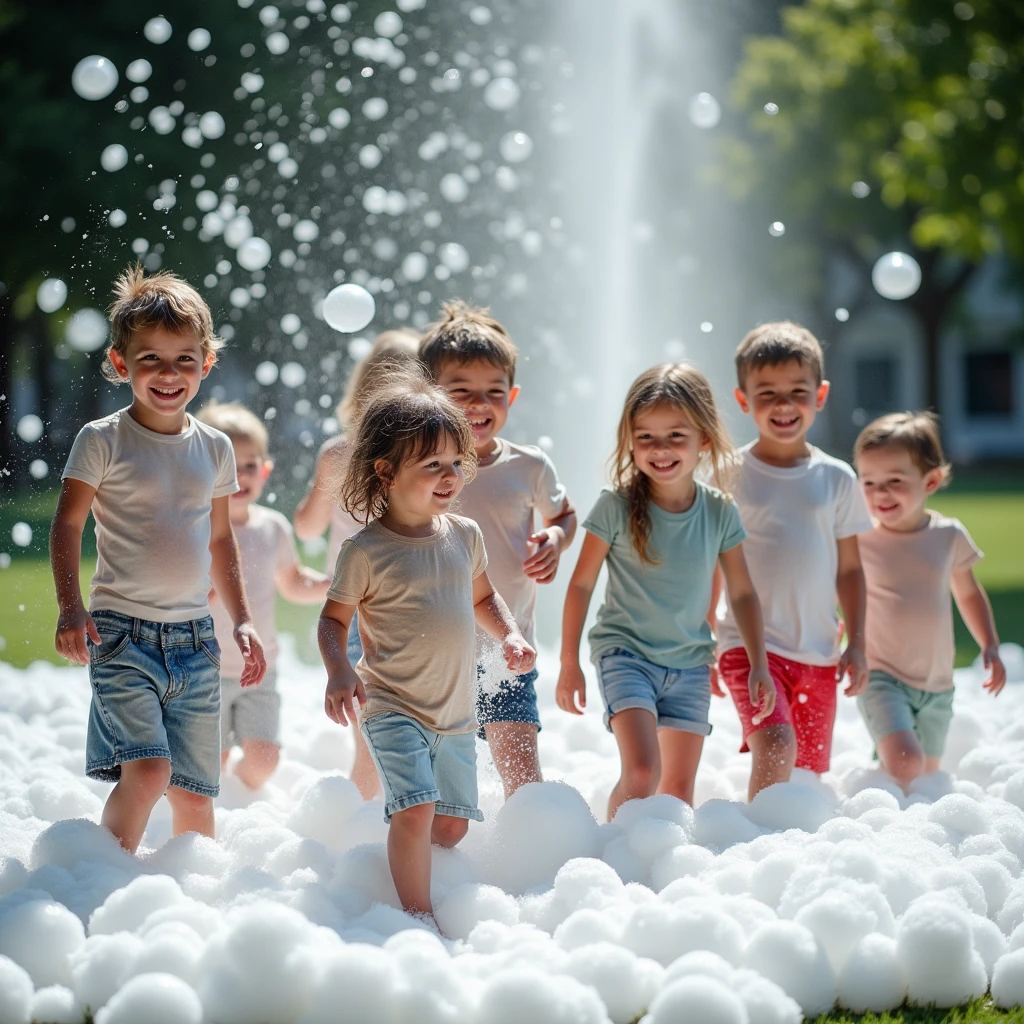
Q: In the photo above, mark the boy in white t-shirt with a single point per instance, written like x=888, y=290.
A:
x=251, y=716
x=471, y=356
x=802, y=510
x=157, y=482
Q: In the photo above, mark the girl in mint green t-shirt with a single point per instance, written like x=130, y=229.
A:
x=661, y=533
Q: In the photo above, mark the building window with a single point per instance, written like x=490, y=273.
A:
x=988, y=379
x=876, y=383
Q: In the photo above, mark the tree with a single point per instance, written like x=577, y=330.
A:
x=890, y=124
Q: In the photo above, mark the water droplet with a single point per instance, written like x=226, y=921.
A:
x=114, y=157
x=776, y=229
x=515, y=147
x=21, y=534
x=138, y=71
x=86, y=331
x=157, y=30
x=94, y=77
x=704, y=110
x=348, y=308
x=842, y=314
x=707, y=326
x=253, y=254
x=266, y=373
x=896, y=275
x=860, y=189
x=198, y=39
x=501, y=94
x=30, y=428
x=51, y=294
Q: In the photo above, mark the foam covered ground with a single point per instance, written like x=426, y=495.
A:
x=839, y=890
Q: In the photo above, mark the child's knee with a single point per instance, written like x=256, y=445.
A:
x=643, y=775
x=448, y=830
x=775, y=742
x=417, y=818
x=186, y=800
x=148, y=776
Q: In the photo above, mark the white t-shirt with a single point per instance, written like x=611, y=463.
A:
x=343, y=526
x=503, y=499
x=152, y=507
x=266, y=545
x=793, y=518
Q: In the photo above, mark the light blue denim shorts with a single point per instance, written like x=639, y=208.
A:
x=419, y=766
x=679, y=698
x=889, y=706
x=354, y=650
x=155, y=693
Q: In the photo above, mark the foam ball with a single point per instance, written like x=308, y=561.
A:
x=789, y=805
x=664, y=932
x=700, y=961
x=41, y=935
x=578, y=881
x=1008, y=980
x=102, y=965
x=125, y=909
x=872, y=977
x=960, y=813
x=67, y=843
x=721, y=823
x=15, y=993
x=528, y=994
x=788, y=954
x=1014, y=790
x=586, y=926
x=679, y=862
x=766, y=1003
x=837, y=921
x=325, y=810
x=464, y=907
x=994, y=879
x=989, y=942
x=56, y=1004
x=697, y=1000
x=870, y=800
x=661, y=806
x=625, y=982
x=154, y=998
x=356, y=982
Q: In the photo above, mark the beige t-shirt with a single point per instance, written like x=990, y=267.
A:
x=266, y=545
x=416, y=621
x=503, y=499
x=154, y=493
x=909, y=626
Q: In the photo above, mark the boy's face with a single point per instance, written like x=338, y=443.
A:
x=895, y=486
x=165, y=370
x=783, y=400
x=253, y=467
x=481, y=390
x=427, y=487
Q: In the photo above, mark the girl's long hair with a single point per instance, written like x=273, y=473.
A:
x=391, y=352
x=683, y=387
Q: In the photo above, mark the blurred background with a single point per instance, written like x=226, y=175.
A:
x=622, y=182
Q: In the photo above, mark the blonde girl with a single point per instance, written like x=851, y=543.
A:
x=661, y=532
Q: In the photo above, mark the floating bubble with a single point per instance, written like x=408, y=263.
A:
x=157, y=30
x=704, y=110
x=375, y=108
x=277, y=152
x=501, y=94
x=94, y=77
x=776, y=229
x=266, y=373
x=139, y=70
x=239, y=297
x=860, y=189
x=415, y=266
x=370, y=156
x=707, y=326
x=38, y=469
x=339, y=117
x=348, y=308
x=51, y=295
x=842, y=314
x=506, y=179
x=211, y=124
x=454, y=257
x=515, y=147
x=237, y=230
x=251, y=82
x=198, y=39
x=288, y=167
x=269, y=14
x=86, y=331
x=454, y=188
x=387, y=24
x=340, y=13
x=293, y=375
x=771, y=109
x=359, y=348
x=406, y=6
x=480, y=15
x=278, y=43
x=306, y=230
x=114, y=157
x=140, y=246
x=253, y=254
x=161, y=120
x=21, y=534
x=896, y=275
x=207, y=200
x=117, y=218
x=290, y=323
x=30, y=428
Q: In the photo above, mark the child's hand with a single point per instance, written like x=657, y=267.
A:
x=571, y=691
x=542, y=565
x=339, y=699
x=251, y=647
x=73, y=630
x=761, y=687
x=717, y=690
x=855, y=665
x=519, y=655
x=997, y=679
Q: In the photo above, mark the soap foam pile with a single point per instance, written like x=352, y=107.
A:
x=817, y=892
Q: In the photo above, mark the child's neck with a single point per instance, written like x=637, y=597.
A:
x=238, y=511
x=173, y=424
x=913, y=522
x=781, y=454
x=488, y=452
x=677, y=496
x=408, y=523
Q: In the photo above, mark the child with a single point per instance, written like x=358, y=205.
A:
x=470, y=355
x=912, y=559
x=417, y=576
x=661, y=533
x=270, y=565
x=320, y=509
x=802, y=510
x=157, y=482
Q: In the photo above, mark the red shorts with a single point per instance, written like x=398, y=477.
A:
x=805, y=699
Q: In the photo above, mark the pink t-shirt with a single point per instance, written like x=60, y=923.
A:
x=909, y=628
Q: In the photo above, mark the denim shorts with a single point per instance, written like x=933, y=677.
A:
x=506, y=700
x=679, y=698
x=889, y=706
x=249, y=712
x=354, y=650
x=155, y=693
x=419, y=766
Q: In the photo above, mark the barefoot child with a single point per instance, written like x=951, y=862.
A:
x=471, y=356
x=912, y=559
x=319, y=509
x=802, y=510
x=251, y=716
x=661, y=533
x=417, y=575
x=157, y=482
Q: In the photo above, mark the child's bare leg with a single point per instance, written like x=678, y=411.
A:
x=190, y=812
x=932, y=764
x=132, y=800
x=259, y=761
x=636, y=732
x=364, y=771
x=680, y=755
x=224, y=755
x=409, y=856
x=447, y=830
x=902, y=757
x=774, y=754
x=514, y=752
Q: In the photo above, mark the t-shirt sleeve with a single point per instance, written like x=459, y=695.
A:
x=351, y=575
x=227, y=481
x=606, y=518
x=286, y=554
x=478, y=548
x=548, y=493
x=89, y=458
x=965, y=552
x=733, y=532
x=852, y=516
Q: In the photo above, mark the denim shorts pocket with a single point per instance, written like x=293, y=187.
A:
x=108, y=648
x=212, y=650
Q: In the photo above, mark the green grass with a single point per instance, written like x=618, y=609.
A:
x=979, y=1012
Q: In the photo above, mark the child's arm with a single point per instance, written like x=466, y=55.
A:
x=852, y=593
x=342, y=682
x=302, y=585
x=313, y=515
x=551, y=541
x=492, y=616
x=226, y=571
x=976, y=610
x=74, y=623
x=571, y=691
x=746, y=611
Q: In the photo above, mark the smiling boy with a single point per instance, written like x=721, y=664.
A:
x=157, y=483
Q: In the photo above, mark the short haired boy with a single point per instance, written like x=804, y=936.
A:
x=251, y=716
x=802, y=510
x=913, y=558
x=471, y=356
x=157, y=482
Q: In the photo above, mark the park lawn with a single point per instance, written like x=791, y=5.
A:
x=981, y=1011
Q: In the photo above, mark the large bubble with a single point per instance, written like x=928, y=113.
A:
x=387, y=24
x=139, y=70
x=51, y=295
x=454, y=257
x=266, y=373
x=293, y=375
x=114, y=157
x=162, y=120
x=515, y=147
x=501, y=94
x=896, y=275
x=454, y=188
x=415, y=266
x=157, y=30
x=277, y=43
x=253, y=254
x=94, y=77
x=30, y=428
x=86, y=331
x=704, y=110
x=21, y=534
x=348, y=308
x=375, y=108
x=305, y=231
x=237, y=230
x=117, y=218
x=211, y=124
x=198, y=39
